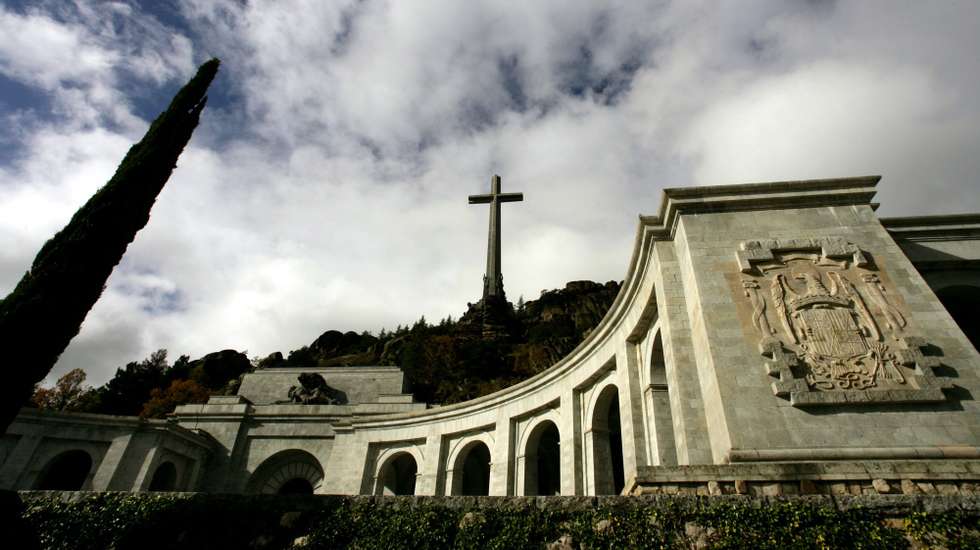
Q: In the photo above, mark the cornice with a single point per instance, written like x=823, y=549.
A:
x=950, y=227
x=327, y=370
x=776, y=195
x=135, y=423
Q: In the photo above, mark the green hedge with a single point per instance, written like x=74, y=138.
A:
x=123, y=520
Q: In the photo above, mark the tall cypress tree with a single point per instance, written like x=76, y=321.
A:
x=46, y=309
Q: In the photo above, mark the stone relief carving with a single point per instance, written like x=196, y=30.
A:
x=314, y=390
x=759, y=319
x=829, y=346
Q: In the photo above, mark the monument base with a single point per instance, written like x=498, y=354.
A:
x=873, y=477
x=491, y=318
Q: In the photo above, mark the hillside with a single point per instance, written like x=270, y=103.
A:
x=450, y=361
x=446, y=362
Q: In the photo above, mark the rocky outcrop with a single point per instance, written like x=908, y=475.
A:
x=215, y=370
x=334, y=343
x=558, y=321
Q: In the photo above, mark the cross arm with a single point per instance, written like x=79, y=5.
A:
x=510, y=197
x=480, y=199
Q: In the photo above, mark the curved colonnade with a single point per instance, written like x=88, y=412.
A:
x=688, y=368
x=581, y=427
x=673, y=375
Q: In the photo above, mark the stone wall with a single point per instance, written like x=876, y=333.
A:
x=122, y=453
x=897, y=477
x=368, y=384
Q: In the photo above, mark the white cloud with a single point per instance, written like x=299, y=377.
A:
x=39, y=50
x=330, y=192
x=80, y=52
x=832, y=119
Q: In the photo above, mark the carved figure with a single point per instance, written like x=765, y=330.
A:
x=893, y=317
x=778, y=290
x=828, y=341
x=314, y=390
x=759, y=318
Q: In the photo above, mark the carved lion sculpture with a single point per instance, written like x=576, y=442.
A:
x=314, y=390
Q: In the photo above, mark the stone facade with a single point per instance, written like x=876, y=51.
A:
x=94, y=452
x=771, y=338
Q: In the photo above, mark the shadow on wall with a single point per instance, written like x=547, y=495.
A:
x=963, y=304
x=66, y=472
x=476, y=470
x=165, y=478
x=398, y=475
x=610, y=477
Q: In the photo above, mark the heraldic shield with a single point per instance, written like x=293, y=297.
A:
x=832, y=329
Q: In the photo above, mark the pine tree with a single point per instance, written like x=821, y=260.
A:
x=46, y=309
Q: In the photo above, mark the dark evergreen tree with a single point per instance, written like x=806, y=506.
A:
x=181, y=369
x=46, y=309
x=130, y=388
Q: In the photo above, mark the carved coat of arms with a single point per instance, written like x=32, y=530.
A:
x=832, y=328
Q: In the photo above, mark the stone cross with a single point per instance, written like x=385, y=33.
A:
x=493, y=281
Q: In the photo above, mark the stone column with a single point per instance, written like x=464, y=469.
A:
x=194, y=475
x=630, y=410
x=687, y=405
x=11, y=474
x=224, y=419
x=520, y=474
x=658, y=399
x=598, y=473
x=102, y=481
x=148, y=468
x=501, y=462
x=428, y=480
x=570, y=433
x=452, y=483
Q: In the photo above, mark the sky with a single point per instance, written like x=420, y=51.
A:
x=326, y=187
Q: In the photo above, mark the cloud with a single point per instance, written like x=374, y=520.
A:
x=835, y=119
x=326, y=187
x=83, y=53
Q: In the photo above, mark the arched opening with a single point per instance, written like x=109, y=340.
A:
x=607, y=443
x=963, y=304
x=292, y=472
x=398, y=475
x=65, y=472
x=165, y=478
x=473, y=465
x=542, y=461
x=658, y=401
x=296, y=486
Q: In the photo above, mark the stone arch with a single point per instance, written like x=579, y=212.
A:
x=398, y=474
x=541, y=455
x=68, y=471
x=287, y=472
x=607, y=443
x=164, y=478
x=962, y=301
x=471, y=469
x=657, y=399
